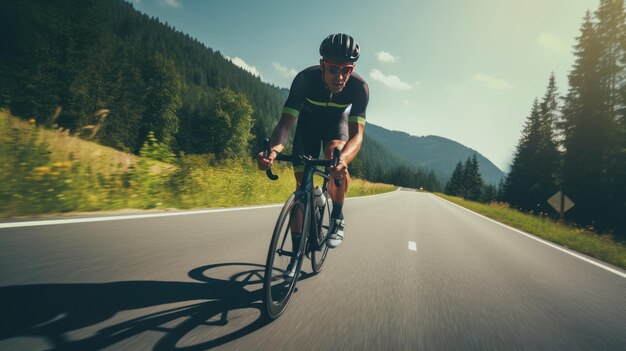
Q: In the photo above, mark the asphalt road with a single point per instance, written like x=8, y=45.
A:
x=193, y=282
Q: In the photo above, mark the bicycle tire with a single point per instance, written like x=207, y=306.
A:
x=277, y=290
x=318, y=257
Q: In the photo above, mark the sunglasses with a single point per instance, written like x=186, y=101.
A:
x=335, y=69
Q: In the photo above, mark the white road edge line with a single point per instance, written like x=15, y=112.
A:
x=151, y=215
x=412, y=246
x=122, y=217
x=553, y=245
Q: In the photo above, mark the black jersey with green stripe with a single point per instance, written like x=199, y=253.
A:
x=310, y=99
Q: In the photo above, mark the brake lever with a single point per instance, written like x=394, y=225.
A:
x=266, y=154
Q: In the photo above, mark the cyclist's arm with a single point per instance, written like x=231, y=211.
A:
x=290, y=114
x=280, y=135
x=352, y=147
x=279, y=138
x=291, y=110
x=356, y=125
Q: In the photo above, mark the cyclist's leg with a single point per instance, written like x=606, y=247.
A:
x=337, y=194
x=306, y=142
x=298, y=220
x=298, y=216
x=337, y=136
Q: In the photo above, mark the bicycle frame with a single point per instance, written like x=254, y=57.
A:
x=304, y=194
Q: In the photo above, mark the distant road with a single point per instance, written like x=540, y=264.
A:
x=414, y=273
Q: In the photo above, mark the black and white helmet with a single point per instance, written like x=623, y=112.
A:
x=339, y=48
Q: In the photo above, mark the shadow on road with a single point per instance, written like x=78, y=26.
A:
x=205, y=314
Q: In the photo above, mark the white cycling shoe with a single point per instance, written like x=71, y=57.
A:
x=290, y=272
x=336, y=230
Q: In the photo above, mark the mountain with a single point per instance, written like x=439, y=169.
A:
x=433, y=153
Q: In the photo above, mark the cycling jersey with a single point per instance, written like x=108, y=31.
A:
x=323, y=116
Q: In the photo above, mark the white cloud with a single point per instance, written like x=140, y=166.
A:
x=172, y=3
x=391, y=81
x=287, y=72
x=552, y=43
x=243, y=65
x=492, y=82
x=384, y=56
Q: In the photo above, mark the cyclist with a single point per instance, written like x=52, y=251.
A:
x=328, y=102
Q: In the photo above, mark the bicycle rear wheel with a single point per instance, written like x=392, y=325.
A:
x=318, y=257
x=277, y=289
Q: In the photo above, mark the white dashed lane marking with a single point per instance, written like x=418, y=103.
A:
x=412, y=246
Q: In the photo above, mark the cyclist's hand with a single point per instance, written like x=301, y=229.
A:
x=265, y=163
x=339, y=172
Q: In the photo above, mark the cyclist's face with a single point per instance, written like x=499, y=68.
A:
x=336, y=75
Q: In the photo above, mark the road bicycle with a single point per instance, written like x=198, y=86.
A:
x=306, y=213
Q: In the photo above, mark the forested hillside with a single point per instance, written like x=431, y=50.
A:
x=435, y=153
x=574, y=141
x=88, y=55
x=103, y=70
x=379, y=163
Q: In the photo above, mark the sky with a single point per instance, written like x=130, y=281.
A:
x=464, y=70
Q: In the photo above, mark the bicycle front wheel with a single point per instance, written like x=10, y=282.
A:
x=277, y=286
x=318, y=257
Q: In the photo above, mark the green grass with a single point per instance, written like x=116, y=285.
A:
x=50, y=171
x=578, y=239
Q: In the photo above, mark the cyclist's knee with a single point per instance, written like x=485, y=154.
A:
x=343, y=188
x=346, y=179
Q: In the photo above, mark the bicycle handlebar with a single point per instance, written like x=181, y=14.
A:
x=308, y=160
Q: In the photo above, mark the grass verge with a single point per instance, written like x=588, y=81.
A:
x=577, y=239
x=46, y=171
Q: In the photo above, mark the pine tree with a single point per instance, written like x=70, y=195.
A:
x=611, y=32
x=590, y=122
x=610, y=29
x=535, y=168
x=454, y=187
x=519, y=180
x=489, y=193
x=472, y=180
x=500, y=191
x=547, y=156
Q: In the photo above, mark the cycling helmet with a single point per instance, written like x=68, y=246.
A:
x=339, y=48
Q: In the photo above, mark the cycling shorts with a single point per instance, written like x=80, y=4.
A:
x=312, y=135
